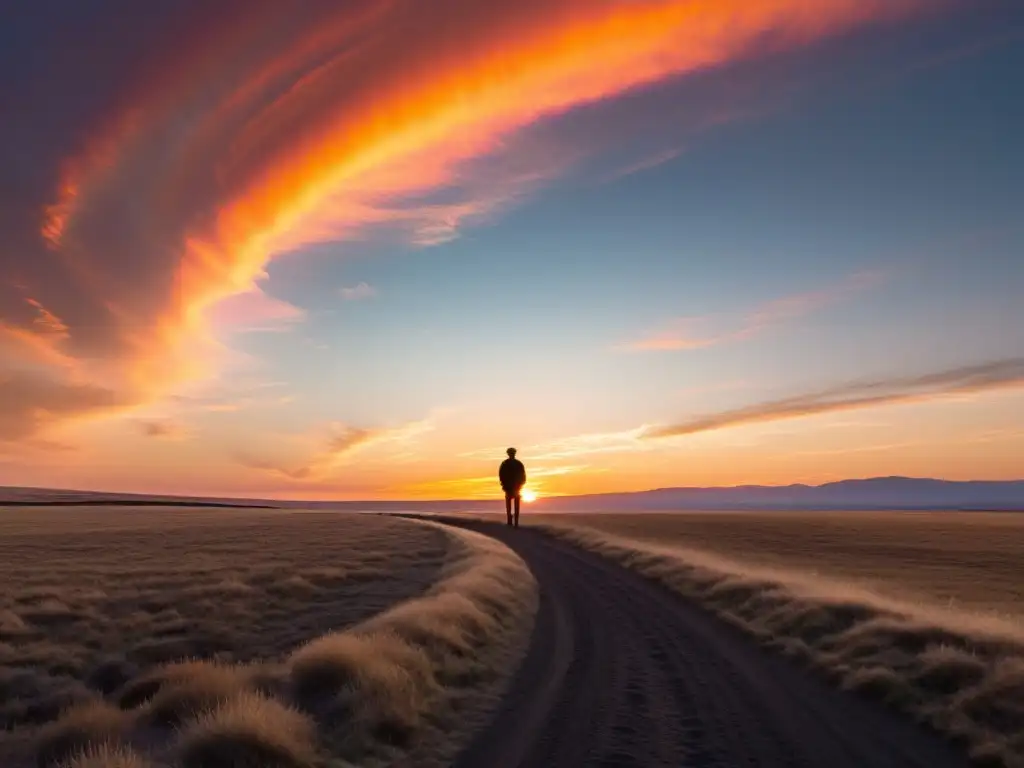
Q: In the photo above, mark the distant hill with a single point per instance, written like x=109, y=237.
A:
x=16, y=496
x=874, y=493
x=19, y=496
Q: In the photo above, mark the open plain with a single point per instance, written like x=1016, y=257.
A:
x=225, y=637
x=968, y=560
x=197, y=637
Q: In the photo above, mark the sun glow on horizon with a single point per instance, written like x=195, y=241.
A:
x=528, y=496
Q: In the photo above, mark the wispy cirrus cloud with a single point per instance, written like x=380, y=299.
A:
x=701, y=332
x=951, y=384
x=253, y=311
x=966, y=50
x=357, y=292
x=570, y=447
x=163, y=429
x=644, y=164
x=233, y=397
x=30, y=402
x=969, y=380
x=333, y=449
x=190, y=144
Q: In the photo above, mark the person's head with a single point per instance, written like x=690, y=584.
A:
x=511, y=453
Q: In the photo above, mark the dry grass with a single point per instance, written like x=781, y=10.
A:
x=172, y=694
x=377, y=681
x=106, y=756
x=410, y=684
x=971, y=560
x=249, y=731
x=196, y=638
x=82, y=726
x=961, y=672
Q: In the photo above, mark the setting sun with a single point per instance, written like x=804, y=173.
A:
x=527, y=495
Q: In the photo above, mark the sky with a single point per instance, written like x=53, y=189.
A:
x=321, y=250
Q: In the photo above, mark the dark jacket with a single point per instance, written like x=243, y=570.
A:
x=512, y=475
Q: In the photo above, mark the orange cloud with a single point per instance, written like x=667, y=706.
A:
x=30, y=402
x=47, y=323
x=576, y=445
x=340, y=443
x=266, y=132
x=166, y=430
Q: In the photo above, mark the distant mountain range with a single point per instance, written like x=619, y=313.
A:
x=895, y=493
x=873, y=493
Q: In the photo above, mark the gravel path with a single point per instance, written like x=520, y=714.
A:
x=621, y=672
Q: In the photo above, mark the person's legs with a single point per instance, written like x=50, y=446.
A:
x=508, y=507
x=518, y=498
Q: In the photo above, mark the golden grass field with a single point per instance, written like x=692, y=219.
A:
x=920, y=610
x=194, y=638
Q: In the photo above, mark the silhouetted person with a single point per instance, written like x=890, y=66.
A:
x=512, y=476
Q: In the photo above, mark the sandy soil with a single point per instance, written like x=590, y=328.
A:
x=622, y=672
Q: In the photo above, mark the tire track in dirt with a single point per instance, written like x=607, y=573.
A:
x=621, y=672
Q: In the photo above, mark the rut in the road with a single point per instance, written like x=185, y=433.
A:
x=620, y=672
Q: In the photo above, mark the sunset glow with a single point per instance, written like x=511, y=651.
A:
x=356, y=251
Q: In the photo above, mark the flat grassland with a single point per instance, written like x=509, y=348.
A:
x=922, y=611
x=200, y=637
x=969, y=560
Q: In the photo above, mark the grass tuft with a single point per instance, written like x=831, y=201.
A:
x=83, y=727
x=248, y=731
x=177, y=692
x=12, y=625
x=106, y=756
x=411, y=676
x=377, y=685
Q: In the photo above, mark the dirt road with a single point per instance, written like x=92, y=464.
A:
x=621, y=672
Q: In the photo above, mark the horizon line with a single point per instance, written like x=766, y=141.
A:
x=213, y=499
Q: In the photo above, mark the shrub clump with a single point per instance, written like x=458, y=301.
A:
x=81, y=728
x=248, y=730
x=176, y=692
x=373, y=685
